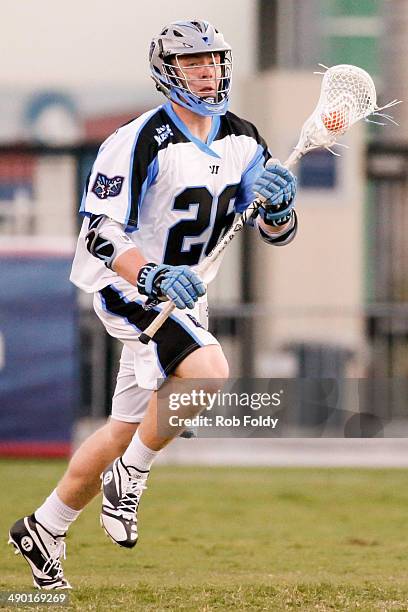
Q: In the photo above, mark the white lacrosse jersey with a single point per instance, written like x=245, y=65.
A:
x=174, y=195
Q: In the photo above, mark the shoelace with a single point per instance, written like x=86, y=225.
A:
x=131, y=496
x=53, y=562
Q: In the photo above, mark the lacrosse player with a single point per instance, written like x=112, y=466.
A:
x=162, y=191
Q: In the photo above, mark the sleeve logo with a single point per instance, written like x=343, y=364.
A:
x=105, y=187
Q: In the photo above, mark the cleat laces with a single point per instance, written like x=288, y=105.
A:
x=130, y=499
x=53, y=562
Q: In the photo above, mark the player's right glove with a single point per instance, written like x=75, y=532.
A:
x=164, y=282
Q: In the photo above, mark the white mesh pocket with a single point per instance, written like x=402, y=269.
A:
x=347, y=95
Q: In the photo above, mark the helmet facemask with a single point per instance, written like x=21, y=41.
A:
x=183, y=79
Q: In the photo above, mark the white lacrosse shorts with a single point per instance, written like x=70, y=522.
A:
x=129, y=402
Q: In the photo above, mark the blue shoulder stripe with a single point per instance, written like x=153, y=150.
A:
x=143, y=164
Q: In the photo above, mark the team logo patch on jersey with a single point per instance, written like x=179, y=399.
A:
x=105, y=187
x=163, y=132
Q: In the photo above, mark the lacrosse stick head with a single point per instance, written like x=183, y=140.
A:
x=347, y=95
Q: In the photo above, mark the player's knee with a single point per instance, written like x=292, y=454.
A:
x=212, y=370
x=215, y=371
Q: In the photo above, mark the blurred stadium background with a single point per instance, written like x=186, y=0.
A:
x=332, y=305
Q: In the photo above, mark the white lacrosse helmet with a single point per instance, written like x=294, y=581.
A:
x=191, y=38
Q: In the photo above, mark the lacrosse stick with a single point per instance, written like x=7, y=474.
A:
x=347, y=95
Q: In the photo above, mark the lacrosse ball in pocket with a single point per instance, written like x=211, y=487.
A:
x=335, y=121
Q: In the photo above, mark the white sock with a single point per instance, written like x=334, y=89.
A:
x=139, y=455
x=56, y=516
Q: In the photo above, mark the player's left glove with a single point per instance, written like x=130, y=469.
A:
x=278, y=185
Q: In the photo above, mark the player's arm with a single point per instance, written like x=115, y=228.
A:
x=107, y=241
x=128, y=265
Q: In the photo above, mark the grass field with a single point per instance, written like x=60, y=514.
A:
x=232, y=539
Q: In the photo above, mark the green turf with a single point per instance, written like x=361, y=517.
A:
x=232, y=539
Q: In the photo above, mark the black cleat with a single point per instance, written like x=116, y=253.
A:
x=42, y=551
x=122, y=487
